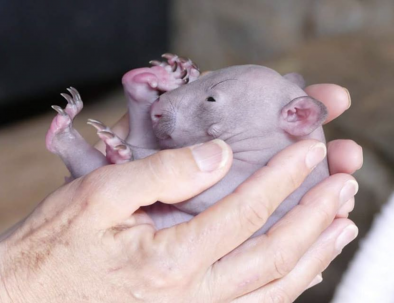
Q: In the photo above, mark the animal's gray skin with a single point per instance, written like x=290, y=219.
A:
x=254, y=109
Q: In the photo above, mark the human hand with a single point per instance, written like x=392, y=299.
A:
x=90, y=241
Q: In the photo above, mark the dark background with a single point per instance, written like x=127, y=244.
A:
x=46, y=46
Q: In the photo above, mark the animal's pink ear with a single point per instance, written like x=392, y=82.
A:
x=302, y=116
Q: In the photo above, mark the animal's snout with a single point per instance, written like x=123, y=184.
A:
x=156, y=112
x=163, y=119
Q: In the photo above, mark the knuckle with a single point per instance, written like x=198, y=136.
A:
x=163, y=165
x=166, y=266
x=92, y=180
x=169, y=274
x=322, y=260
x=283, y=262
x=324, y=212
x=277, y=295
x=293, y=178
x=253, y=214
x=91, y=187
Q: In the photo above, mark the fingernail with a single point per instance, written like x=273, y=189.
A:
x=347, y=236
x=315, y=281
x=210, y=156
x=348, y=191
x=315, y=155
x=361, y=152
x=348, y=97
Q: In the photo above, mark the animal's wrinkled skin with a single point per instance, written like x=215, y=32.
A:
x=254, y=109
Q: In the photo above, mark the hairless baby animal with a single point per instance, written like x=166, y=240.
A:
x=254, y=109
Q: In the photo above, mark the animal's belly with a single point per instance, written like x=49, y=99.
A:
x=169, y=215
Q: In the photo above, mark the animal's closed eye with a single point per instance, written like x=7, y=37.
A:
x=211, y=99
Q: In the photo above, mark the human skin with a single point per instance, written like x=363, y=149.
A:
x=89, y=242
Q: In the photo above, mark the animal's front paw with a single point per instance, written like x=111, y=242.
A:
x=117, y=150
x=179, y=71
x=144, y=85
x=62, y=124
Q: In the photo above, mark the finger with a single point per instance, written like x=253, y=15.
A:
x=278, y=252
x=346, y=209
x=169, y=176
x=121, y=129
x=231, y=221
x=336, y=98
x=340, y=233
x=344, y=156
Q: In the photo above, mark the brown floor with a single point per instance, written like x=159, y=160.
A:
x=28, y=172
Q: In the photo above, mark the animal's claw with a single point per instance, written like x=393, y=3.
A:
x=59, y=110
x=117, y=151
x=68, y=98
x=97, y=124
x=175, y=66
x=169, y=56
x=74, y=93
x=195, y=66
x=120, y=147
x=106, y=133
x=155, y=63
x=184, y=60
x=183, y=74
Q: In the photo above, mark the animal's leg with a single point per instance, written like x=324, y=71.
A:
x=143, y=86
x=117, y=150
x=62, y=139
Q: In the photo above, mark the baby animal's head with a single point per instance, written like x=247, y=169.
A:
x=235, y=102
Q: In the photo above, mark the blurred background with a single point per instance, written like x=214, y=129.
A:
x=46, y=46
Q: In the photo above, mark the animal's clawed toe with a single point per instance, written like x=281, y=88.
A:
x=74, y=102
x=59, y=110
x=183, y=70
x=97, y=124
x=117, y=150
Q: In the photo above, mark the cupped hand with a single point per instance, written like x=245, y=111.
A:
x=90, y=242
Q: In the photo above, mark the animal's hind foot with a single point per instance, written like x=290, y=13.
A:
x=117, y=150
x=61, y=125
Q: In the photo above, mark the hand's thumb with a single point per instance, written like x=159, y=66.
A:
x=169, y=176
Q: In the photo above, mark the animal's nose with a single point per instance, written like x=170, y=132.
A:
x=156, y=112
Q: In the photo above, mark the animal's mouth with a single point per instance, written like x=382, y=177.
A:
x=167, y=143
x=163, y=126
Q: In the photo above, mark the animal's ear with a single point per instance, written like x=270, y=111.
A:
x=296, y=79
x=214, y=130
x=302, y=116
